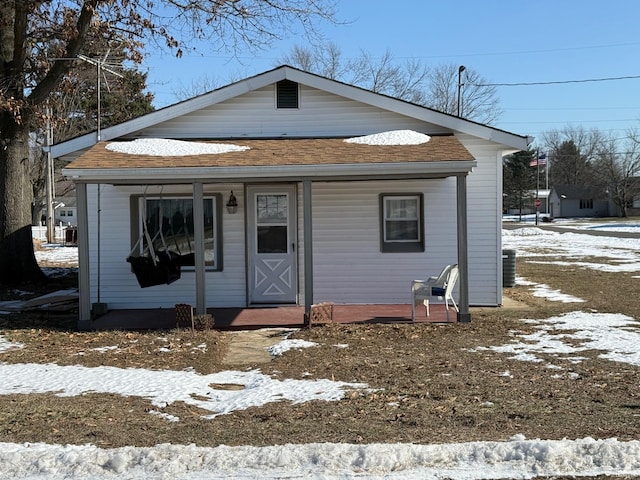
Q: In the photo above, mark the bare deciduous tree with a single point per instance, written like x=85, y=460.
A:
x=32, y=33
x=571, y=154
x=435, y=87
x=617, y=168
x=479, y=101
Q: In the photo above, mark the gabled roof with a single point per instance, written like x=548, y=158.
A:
x=576, y=192
x=451, y=122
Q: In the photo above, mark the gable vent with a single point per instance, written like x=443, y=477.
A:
x=287, y=94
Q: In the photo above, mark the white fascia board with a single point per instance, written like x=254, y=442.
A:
x=169, y=113
x=174, y=175
x=401, y=107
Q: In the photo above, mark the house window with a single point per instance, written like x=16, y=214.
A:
x=401, y=223
x=586, y=204
x=69, y=213
x=287, y=94
x=170, y=222
x=63, y=213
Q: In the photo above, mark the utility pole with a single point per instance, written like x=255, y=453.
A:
x=537, y=200
x=49, y=183
x=461, y=69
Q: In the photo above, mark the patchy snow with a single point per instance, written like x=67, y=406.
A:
x=535, y=244
x=162, y=147
x=286, y=345
x=56, y=253
x=393, y=137
x=162, y=388
x=5, y=346
x=615, y=336
x=545, y=291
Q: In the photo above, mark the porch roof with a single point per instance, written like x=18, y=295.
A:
x=279, y=158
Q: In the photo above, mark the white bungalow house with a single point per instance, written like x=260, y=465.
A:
x=287, y=188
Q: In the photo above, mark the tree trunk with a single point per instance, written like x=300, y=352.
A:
x=17, y=259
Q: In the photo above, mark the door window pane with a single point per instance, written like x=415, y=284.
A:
x=271, y=209
x=272, y=239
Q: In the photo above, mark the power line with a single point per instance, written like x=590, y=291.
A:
x=558, y=82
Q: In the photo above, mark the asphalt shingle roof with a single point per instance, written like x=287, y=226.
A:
x=282, y=152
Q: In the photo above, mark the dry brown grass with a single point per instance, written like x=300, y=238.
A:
x=430, y=383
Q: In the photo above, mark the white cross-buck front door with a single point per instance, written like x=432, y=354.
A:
x=271, y=232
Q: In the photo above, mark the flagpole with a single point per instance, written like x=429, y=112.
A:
x=546, y=173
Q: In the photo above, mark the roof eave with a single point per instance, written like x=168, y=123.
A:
x=382, y=171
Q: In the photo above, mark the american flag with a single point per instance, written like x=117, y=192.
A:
x=541, y=160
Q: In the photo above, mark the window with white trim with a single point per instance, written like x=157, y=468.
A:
x=401, y=223
x=170, y=225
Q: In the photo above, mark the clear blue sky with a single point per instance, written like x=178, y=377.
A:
x=506, y=41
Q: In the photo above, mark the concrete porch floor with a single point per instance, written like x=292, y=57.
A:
x=265, y=317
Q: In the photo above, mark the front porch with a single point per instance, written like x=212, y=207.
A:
x=266, y=317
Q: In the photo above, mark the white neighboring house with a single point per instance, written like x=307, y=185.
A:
x=317, y=218
x=65, y=212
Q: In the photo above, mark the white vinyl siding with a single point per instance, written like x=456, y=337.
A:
x=255, y=115
x=484, y=208
x=118, y=285
x=347, y=262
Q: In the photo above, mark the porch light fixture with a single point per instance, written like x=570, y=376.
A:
x=232, y=204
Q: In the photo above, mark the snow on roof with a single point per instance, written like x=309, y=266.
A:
x=393, y=137
x=162, y=147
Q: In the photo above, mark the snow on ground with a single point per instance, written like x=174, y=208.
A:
x=57, y=253
x=545, y=291
x=286, y=345
x=536, y=244
x=517, y=458
x=5, y=345
x=616, y=336
x=163, y=388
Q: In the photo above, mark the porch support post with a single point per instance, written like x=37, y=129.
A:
x=84, y=290
x=461, y=192
x=198, y=233
x=308, y=250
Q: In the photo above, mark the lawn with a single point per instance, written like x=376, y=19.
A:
x=426, y=384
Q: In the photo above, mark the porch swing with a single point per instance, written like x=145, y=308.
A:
x=153, y=267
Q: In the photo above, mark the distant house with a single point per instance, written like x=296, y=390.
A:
x=287, y=188
x=530, y=207
x=578, y=201
x=65, y=212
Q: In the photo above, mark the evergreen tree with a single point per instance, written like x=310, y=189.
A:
x=519, y=181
